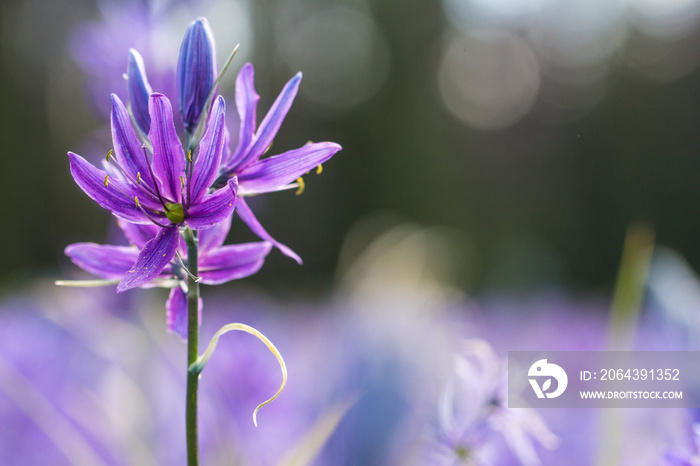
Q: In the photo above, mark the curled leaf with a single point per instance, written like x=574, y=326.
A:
x=197, y=366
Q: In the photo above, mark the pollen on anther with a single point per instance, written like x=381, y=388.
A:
x=136, y=198
x=319, y=169
x=300, y=190
x=109, y=154
x=138, y=177
x=182, y=182
x=189, y=156
x=106, y=178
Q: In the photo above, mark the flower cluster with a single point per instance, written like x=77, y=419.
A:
x=162, y=190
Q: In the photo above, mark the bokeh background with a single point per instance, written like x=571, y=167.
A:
x=495, y=155
x=538, y=130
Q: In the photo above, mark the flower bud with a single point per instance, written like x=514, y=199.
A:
x=196, y=71
x=138, y=90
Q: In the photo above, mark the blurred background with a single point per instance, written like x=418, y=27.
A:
x=495, y=155
x=537, y=130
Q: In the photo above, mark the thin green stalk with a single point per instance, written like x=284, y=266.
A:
x=192, y=348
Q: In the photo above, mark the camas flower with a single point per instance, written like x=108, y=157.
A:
x=217, y=263
x=165, y=188
x=196, y=78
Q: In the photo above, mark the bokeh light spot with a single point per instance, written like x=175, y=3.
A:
x=489, y=79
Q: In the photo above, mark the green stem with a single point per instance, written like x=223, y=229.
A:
x=192, y=348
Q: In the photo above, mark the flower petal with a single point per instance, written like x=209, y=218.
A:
x=214, y=237
x=206, y=164
x=247, y=216
x=116, y=196
x=196, y=71
x=272, y=122
x=127, y=148
x=168, y=156
x=213, y=208
x=176, y=312
x=246, y=104
x=138, y=235
x=233, y=262
x=105, y=261
x=272, y=173
x=139, y=89
x=154, y=257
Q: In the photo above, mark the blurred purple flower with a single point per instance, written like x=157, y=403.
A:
x=474, y=424
x=124, y=25
x=164, y=189
x=688, y=456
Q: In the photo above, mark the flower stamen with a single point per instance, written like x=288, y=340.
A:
x=302, y=186
x=144, y=187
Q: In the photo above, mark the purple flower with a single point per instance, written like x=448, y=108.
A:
x=196, y=76
x=196, y=71
x=474, y=423
x=217, y=263
x=161, y=185
x=689, y=454
x=255, y=174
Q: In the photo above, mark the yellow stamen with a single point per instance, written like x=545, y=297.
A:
x=106, y=178
x=319, y=169
x=136, y=198
x=109, y=153
x=182, y=182
x=138, y=177
x=300, y=181
x=189, y=156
